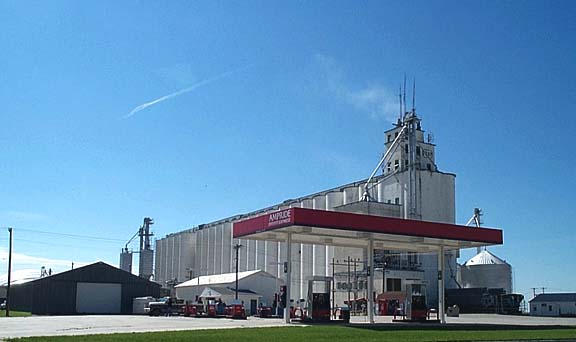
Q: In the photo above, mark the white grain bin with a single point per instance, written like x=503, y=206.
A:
x=318, y=257
x=350, y=195
x=126, y=260
x=487, y=270
x=334, y=199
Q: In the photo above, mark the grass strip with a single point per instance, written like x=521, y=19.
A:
x=326, y=333
x=15, y=313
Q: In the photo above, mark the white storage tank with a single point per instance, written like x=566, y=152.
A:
x=318, y=259
x=306, y=203
x=334, y=199
x=211, y=264
x=487, y=270
x=146, y=263
x=202, y=247
x=218, y=246
x=350, y=195
x=187, y=255
x=227, y=258
x=381, y=193
x=160, y=261
x=126, y=261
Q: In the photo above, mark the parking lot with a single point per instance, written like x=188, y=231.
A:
x=84, y=325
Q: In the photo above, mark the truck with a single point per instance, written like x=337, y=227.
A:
x=165, y=306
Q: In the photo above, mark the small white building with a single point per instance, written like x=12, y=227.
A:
x=254, y=287
x=553, y=304
x=227, y=295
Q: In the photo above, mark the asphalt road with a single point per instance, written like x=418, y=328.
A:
x=85, y=325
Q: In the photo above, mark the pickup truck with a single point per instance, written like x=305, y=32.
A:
x=161, y=307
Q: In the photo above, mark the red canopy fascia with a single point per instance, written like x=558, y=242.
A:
x=333, y=224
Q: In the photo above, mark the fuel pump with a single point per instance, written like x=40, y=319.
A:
x=415, y=308
x=319, y=298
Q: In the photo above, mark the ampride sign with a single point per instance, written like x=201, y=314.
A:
x=280, y=217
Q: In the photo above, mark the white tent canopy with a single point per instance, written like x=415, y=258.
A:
x=224, y=278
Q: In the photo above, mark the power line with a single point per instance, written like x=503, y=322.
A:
x=74, y=236
x=62, y=245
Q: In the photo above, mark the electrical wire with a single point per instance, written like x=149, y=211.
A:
x=59, y=245
x=73, y=236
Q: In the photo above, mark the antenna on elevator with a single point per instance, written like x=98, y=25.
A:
x=404, y=96
x=414, y=97
x=400, y=103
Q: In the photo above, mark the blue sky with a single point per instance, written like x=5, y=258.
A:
x=286, y=99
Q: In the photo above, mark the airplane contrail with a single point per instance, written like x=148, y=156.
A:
x=185, y=90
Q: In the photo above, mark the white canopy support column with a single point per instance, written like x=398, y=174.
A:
x=441, y=302
x=370, y=295
x=288, y=277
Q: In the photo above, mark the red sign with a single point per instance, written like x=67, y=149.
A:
x=279, y=217
x=363, y=223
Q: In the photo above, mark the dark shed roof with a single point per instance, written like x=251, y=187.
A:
x=97, y=272
x=554, y=297
x=56, y=294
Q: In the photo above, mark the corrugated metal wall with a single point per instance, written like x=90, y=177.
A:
x=56, y=295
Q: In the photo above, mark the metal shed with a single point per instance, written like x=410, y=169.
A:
x=93, y=289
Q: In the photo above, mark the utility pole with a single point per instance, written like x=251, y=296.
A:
x=9, y=274
x=333, y=288
x=237, y=248
x=355, y=288
x=348, y=285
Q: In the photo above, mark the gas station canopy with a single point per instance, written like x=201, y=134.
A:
x=299, y=225
x=356, y=230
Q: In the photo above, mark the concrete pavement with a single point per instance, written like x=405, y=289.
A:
x=87, y=325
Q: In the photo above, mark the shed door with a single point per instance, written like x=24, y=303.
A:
x=101, y=298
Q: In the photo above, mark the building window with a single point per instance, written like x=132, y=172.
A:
x=429, y=167
x=389, y=167
x=417, y=150
x=396, y=135
x=549, y=307
x=396, y=164
x=412, y=258
x=397, y=200
x=535, y=308
x=406, y=148
x=389, y=137
x=393, y=284
x=389, y=201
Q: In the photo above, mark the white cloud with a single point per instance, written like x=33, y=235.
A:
x=373, y=99
x=21, y=261
x=19, y=276
x=180, y=75
x=184, y=90
x=21, y=216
